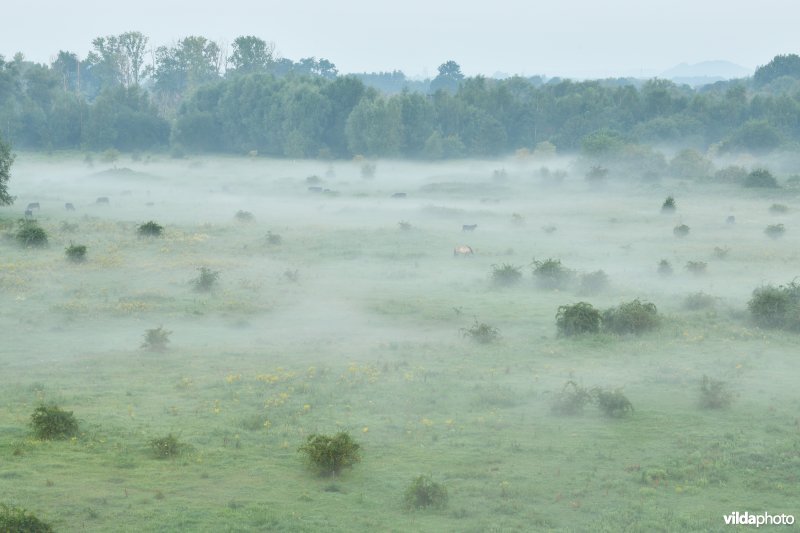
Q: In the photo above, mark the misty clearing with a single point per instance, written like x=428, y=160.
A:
x=240, y=343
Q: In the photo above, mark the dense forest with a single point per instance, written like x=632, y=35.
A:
x=194, y=97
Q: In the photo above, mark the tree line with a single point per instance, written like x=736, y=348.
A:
x=193, y=96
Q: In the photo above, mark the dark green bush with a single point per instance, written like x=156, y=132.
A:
x=612, y=402
x=631, y=317
x=481, y=333
x=330, y=454
x=721, y=252
x=696, y=267
x=714, y=394
x=669, y=205
x=50, y=422
x=699, y=300
x=778, y=209
x=664, y=268
x=760, y=177
x=424, y=492
x=593, y=282
x=681, y=230
x=577, y=319
x=551, y=274
x=76, y=253
x=156, y=340
x=31, y=234
x=506, y=275
x=775, y=230
x=776, y=307
x=167, y=447
x=571, y=400
x=150, y=229
x=206, y=280
x=273, y=238
x=17, y=520
x=244, y=216
x=404, y=225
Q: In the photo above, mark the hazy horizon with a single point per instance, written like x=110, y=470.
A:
x=570, y=39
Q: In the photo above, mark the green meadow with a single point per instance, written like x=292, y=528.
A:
x=344, y=309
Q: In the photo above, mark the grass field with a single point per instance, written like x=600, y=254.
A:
x=350, y=322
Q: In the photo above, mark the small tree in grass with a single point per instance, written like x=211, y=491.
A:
x=50, y=422
x=330, y=454
x=424, y=492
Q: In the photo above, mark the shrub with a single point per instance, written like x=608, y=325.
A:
x=517, y=219
x=206, y=280
x=714, y=394
x=731, y=174
x=669, y=205
x=577, y=319
x=664, y=268
x=698, y=301
x=166, y=447
x=778, y=209
x=150, y=229
x=596, y=173
x=721, y=252
x=292, y=275
x=404, y=225
x=761, y=177
x=68, y=227
x=50, y=422
x=571, y=400
x=775, y=230
x=76, y=253
x=613, y=402
x=330, y=454
x=776, y=307
x=481, y=333
x=551, y=274
x=244, y=216
x=31, y=234
x=696, y=267
x=368, y=170
x=156, y=340
x=631, y=317
x=593, y=282
x=273, y=238
x=506, y=274
x=424, y=492
x=18, y=520
x=681, y=230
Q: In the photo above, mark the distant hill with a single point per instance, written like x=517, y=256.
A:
x=705, y=72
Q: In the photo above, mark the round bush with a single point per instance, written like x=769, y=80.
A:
x=17, y=520
x=424, y=492
x=631, y=317
x=330, y=454
x=577, y=319
x=49, y=422
x=31, y=235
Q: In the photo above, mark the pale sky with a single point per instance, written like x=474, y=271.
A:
x=572, y=38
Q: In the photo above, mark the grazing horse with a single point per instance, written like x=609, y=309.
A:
x=33, y=205
x=469, y=227
x=399, y=195
x=463, y=250
x=69, y=207
x=28, y=213
x=102, y=200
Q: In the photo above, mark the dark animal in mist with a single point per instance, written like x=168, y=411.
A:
x=730, y=220
x=463, y=250
x=102, y=200
x=399, y=195
x=469, y=227
x=28, y=213
x=69, y=207
x=33, y=205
